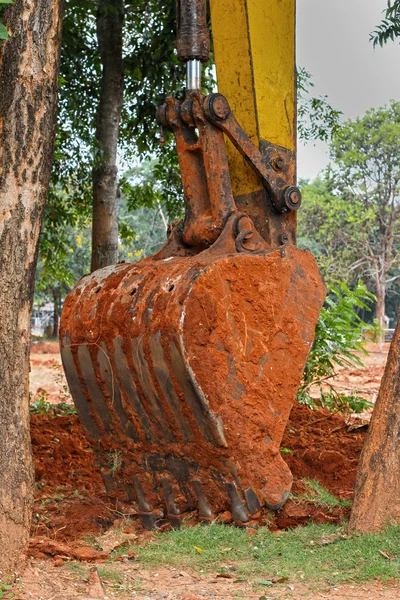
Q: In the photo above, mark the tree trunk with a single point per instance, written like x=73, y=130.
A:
x=110, y=17
x=377, y=492
x=28, y=102
x=56, y=312
x=380, y=303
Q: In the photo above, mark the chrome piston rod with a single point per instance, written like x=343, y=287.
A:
x=193, y=74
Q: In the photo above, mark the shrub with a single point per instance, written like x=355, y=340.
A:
x=339, y=339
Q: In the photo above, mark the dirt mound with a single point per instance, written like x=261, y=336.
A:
x=71, y=502
x=64, y=461
x=323, y=449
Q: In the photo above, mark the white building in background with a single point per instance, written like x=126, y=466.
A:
x=41, y=318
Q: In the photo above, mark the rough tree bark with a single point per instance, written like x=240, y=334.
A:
x=110, y=17
x=377, y=492
x=28, y=102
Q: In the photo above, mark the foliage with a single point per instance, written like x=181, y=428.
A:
x=389, y=28
x=330, y=226
x=317, y=120
x=319, y=495
x=5, y=589
x=339, y=336
x=351, y=215
x=366, y=173
x=155, y=182
x=3, y=28
x=313, y=553
x=40, y=405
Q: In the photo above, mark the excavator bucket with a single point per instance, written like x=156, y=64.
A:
x=184, y=367
x=184, y=371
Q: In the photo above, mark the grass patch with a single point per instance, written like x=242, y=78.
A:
x=314, y=553
x=78, y=569
x=110, y=574
x=320, y=496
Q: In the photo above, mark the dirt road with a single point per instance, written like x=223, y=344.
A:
x=43, y=581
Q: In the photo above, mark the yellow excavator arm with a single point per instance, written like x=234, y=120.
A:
x=254, y=48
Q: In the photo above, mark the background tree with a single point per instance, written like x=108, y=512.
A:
x=354, y=212
x=109, y=27
x=28, y=102
x=150, y=68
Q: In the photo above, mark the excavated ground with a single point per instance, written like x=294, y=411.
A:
x=71, y=503
x=71, y=508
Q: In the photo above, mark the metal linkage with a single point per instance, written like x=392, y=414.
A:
x=198, y=123
x=273, y=173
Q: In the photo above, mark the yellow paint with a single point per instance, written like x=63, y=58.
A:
x=254, y=44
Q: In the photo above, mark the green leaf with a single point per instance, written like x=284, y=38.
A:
x=286, y=451
x=3, y=32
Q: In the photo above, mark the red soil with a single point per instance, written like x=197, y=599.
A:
x=71, y=502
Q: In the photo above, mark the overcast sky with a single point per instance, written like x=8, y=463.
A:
x=333, y=44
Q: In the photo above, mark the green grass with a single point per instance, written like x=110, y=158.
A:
x=314, y=553
x=320, y=496
x=110, y=574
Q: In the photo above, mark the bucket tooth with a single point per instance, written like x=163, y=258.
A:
x=147, y=517
x=141, y=498
x=205, y=511
x=169, y=497
x=173, y=513
x=108, y=480
x=130, y=491
x=278, y=505
x=252, y=501
x=148, y=520
x=238, y=511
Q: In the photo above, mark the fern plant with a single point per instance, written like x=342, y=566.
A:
x=339, y=340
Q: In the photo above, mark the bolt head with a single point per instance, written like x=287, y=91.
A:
x=218, y=107
x=278, y=163
x=292, y=197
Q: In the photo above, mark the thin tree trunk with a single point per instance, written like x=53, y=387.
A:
x=110, y=16
x=28, y=102
x=56, y=312
x=380, y=302
x=377, y=491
